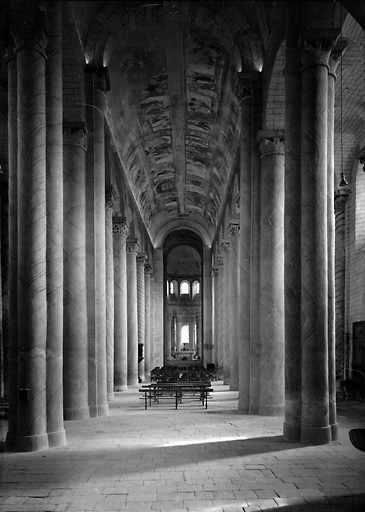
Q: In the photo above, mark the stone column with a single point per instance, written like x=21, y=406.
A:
x=13, y=248
x=206, y=306
x=178, y=332
x=341, y=197
x=32, y=293
x=233, y=232
x=292, y=228
x=147, y=338
x=96, y=90
x=152, y=323
x=141, y=312
x=54, y=250
x=132, y=314
x=271, y=401
x=225, y=248
x=244, y=302
x=120, y=232
x=109, y=289
x=315, y=378
x=159, y=290
x=215, y=315
x=220, y=313
x=191, y=335
x=75, y=351
x=334, y=61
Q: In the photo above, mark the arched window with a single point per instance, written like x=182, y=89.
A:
x=185, y=288
x=173, y=288
x=196, y=288
x=185, y=336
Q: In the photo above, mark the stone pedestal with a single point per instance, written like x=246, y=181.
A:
x=120, y=232
x=271, y=400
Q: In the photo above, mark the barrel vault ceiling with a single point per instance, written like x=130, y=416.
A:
x=172, y=110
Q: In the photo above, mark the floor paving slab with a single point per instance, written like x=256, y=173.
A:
x=186, y=460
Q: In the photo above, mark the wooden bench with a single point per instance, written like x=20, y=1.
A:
x=178, y=390
x=4, y=406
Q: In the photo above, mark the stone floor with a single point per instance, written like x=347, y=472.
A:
x=190, y=459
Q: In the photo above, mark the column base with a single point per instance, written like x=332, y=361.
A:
x=315, y=435
x=243, y=408
x=57, y=438
x=253, y=409
x=291, y=432
x=271, y=410
x=233, y=387
x=133, y=382
x=76, y=413
x=122, y=387
x=10, y=441
x=103, y=410
x=334, y=431
x=31, y=443
x=111, y=397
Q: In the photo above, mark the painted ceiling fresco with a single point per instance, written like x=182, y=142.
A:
x=174, y=117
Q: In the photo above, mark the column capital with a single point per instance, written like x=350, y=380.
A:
x=120, y=226
x=110, y=199
x=132, y=245
x=215, y=271
x=101, y=74
x=225, y=246
x=243, y=85
x=316, y=51
x=141, y=259
x=336, y=56
x=233, y=228
x=148, y=269
x=219, y=260
x=27, y=25
x=361, y=157
x=271, y=142
x=75, y=133
x=341, y=197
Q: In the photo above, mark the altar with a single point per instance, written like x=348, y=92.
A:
x=184, y=355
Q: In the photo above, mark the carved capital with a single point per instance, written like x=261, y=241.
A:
x=234, y=228
x=315, y=51
x=110, y=199
x=225, y=247
x=75, y=134
x=341, y=197
x=120, y=226
x=132, y=245
x=101, y=77
x=219, y=260
x=215, y=272
x=27, y=25
x=336, y=56
x=141, y=259
x=148, y=269
x=271, y=142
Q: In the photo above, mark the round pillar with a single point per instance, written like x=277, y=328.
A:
x=31, y=215
x=109, y=288
x=120, y=232
x=75, y=350
x=132, y=313
x=141, y=312
x=234, y=231
x=314, y=251
x=147, y=339
x=271, y=401
x=54, y=251
x=225, y=247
